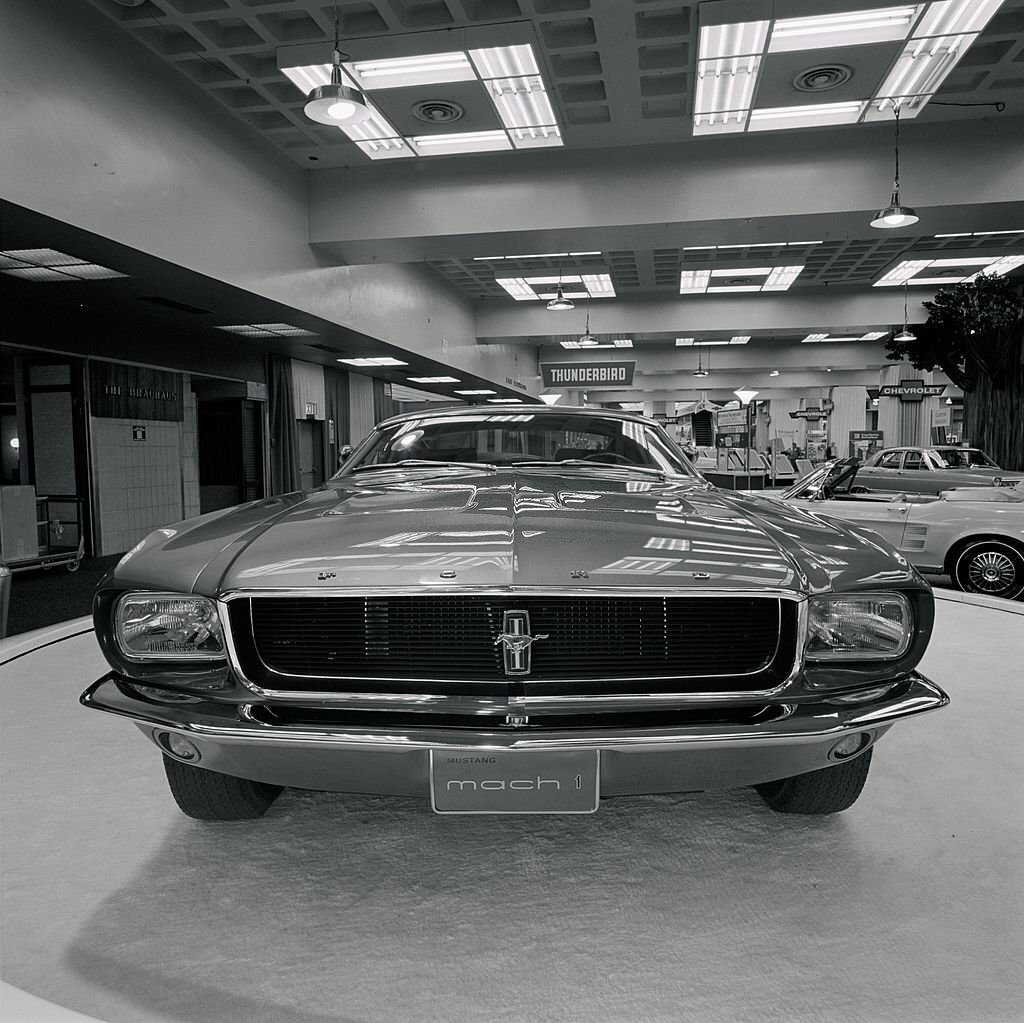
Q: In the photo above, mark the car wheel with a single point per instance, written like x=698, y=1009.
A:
x=990, y=567
x=212, y=796
x=829, y=790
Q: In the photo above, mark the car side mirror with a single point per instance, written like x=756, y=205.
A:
x=344, y=453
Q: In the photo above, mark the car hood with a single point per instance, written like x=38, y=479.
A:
x=513, y=528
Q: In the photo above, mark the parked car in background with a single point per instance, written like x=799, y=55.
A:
x=927, y=470
x=974, y=535
x=517, y=609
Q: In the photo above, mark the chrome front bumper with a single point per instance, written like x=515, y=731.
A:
x=633, y=761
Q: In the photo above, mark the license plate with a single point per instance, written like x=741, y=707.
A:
x=514, y=781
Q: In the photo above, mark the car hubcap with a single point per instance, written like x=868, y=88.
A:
x=991, y=572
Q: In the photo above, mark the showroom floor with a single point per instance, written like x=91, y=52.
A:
x=349, y=908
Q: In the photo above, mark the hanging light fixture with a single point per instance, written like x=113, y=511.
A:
x=337, y=104
x=700, y=371
x=905, y=334
x=587, y=340
x=895, y=214
x=560, y=303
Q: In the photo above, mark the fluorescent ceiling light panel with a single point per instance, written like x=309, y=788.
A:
x=505, y=61
x=39, y=275
x=813, y=339
x=460, y=142
x=385, y=149
x=873, y=335
x=734, y=40
x=91, y=272
x=247, y=330
x=726, y=84
x=433, y=380
x=1002, y=266
x=782, y=277
x=267, y=330
x=521, y=102
x=622, y=342
x=599, y=285
x=517, y=288
x=475, y=393
x=849, y=28
x=564, y=279
x=286, y=329
x=733, y=288
x=685, y=342
x=720, y=124
x=807, y=116
x=694, y=282
x=505, y=401
x=907, y=271
x=7, y=262
x=575, y=345
x=43, y=257
x=547, y=296
x=401, y=72
x=536, y=138
x=739, y=339
x=373, y=360
x=753, y=271
x=942, y=36
x=977, y=234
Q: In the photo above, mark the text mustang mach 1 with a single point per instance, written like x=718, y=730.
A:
x=517, y=609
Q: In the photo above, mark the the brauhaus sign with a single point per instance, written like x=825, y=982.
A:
x=584, y=374
x=135, y=392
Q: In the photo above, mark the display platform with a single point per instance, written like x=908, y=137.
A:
x=705, y=907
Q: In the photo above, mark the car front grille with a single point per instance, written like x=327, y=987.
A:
x=447, y=643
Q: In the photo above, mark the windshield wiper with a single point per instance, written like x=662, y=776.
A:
x=423, y=463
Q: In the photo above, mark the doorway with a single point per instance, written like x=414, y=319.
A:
x=311, y=453
x=229, y=443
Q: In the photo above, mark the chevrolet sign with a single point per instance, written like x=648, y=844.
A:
x=911, y=390
x=581, y=374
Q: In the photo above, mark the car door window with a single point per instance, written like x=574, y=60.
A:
x=890, y=460
x=914, y=460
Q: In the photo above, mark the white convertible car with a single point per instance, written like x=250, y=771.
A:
x=975, y=535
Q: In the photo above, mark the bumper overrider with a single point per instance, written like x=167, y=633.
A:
x=794, y=738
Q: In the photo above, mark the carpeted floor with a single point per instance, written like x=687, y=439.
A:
x=40, y=598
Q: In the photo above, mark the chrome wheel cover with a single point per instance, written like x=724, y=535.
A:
x=991, y=572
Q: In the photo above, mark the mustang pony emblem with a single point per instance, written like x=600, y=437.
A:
x=516, y=639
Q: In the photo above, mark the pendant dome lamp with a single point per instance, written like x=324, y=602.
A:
x=337, y=104
x=895, y=214
x=587, y=340
x=560, y=303
x=905, y=334
x=700, y=371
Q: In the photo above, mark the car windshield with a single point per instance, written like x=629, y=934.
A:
x=541, y=438
x=962, y=458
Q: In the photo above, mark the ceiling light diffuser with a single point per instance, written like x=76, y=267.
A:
x=460, y=142
x=402, y=72
x=808, y=115
x=849, y=28
x=475, y=393
x=505, y=61
x=433, y=380
x=517, y=288
x=374, y=360
x=910, y=271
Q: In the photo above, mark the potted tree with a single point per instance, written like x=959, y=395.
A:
x=975, y=335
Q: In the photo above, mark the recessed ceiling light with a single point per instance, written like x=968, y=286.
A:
x=774, y=373
x=517, y=288
x=849, y=28
x=43, y=257
x=685, y=342
x=739, y=339
x=266, y=330
x=806, y=116
x=910, y=271
x=777, y=278
x=403, y=72
x=433, y=380
x=50, y=265
x=505, y=401
x=473, y=393
x=39, y=275
x=373, y=360
x=977, y=234
x=873, y=335
x=460, y=142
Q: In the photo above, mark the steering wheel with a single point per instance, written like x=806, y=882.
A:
x=610, y=457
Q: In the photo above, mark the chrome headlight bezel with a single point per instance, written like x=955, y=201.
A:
x=820, y=609
x=205, y=621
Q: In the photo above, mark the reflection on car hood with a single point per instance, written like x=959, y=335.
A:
x=529, y=528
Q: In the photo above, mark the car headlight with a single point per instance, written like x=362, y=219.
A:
x=168, y=626
x=869, y=626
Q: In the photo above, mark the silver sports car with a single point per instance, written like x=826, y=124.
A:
x=974, y=535
x=513, y=609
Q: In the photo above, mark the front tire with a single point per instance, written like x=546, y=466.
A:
x=990, y=567
x=212, y=796
x=830, y=790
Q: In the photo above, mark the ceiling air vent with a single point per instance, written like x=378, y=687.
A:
x=437, y=111
x=823, y=78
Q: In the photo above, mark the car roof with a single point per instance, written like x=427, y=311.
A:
x=512, y=407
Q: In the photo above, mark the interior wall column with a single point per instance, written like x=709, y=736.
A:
x=849, y=412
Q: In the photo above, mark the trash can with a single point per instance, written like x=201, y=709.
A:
x=5, y=597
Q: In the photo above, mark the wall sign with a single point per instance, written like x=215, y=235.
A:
x=865, y=442
x=734, y=418
x=138, y=432
x=134, y=392
x=812, y=415
x=911, y=390
x=574, y=374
